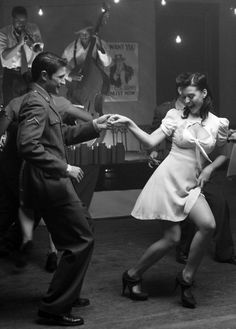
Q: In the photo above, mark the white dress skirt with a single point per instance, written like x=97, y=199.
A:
x=173, y=189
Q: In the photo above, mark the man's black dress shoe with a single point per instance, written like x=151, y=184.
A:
x=81, y=302
x=59, y=320
x=181, y=257
x=231, y=260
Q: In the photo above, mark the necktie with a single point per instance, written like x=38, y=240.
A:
x=24, y=64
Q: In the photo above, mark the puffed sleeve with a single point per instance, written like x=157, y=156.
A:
x=223, y=130
x=169, y=123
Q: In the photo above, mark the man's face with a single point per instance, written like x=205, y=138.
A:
x=84, y=38
x=19, y=22
x=54, y=83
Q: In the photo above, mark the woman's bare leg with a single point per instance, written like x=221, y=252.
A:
x=158, y=249
x=203, y=218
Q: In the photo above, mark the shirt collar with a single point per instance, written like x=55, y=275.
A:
x=35, y=87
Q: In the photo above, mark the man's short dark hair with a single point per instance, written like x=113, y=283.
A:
x=181, y=79
x=48, y=62
x=19, y=11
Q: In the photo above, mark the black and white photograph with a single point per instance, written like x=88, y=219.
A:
x=118, y=164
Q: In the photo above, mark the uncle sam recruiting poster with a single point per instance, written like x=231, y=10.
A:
x=123, y=72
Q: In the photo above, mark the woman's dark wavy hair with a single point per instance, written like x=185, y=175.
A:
x=199, y=81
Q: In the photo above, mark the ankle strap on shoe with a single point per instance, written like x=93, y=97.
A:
x=182, y=282
x=131, y=280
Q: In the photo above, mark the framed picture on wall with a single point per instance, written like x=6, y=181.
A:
x=123, y=72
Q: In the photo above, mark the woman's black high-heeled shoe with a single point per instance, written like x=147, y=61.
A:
x=187, y=297
x=130, y=282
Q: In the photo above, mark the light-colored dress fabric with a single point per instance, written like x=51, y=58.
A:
x=172, y=190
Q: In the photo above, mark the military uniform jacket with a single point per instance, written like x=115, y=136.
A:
x=41, y=141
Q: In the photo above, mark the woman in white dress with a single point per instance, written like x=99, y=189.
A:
x=173, y=192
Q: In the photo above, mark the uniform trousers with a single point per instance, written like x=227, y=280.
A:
x=71, y=233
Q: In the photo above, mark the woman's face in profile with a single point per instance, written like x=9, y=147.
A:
x=193, y=98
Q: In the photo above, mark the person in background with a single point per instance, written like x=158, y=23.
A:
x=87, y=57
x=20, y=42
x=174, y=191
x=224, y=245
x=86, y=82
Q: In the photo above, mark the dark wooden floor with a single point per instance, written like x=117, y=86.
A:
x=119, y=242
